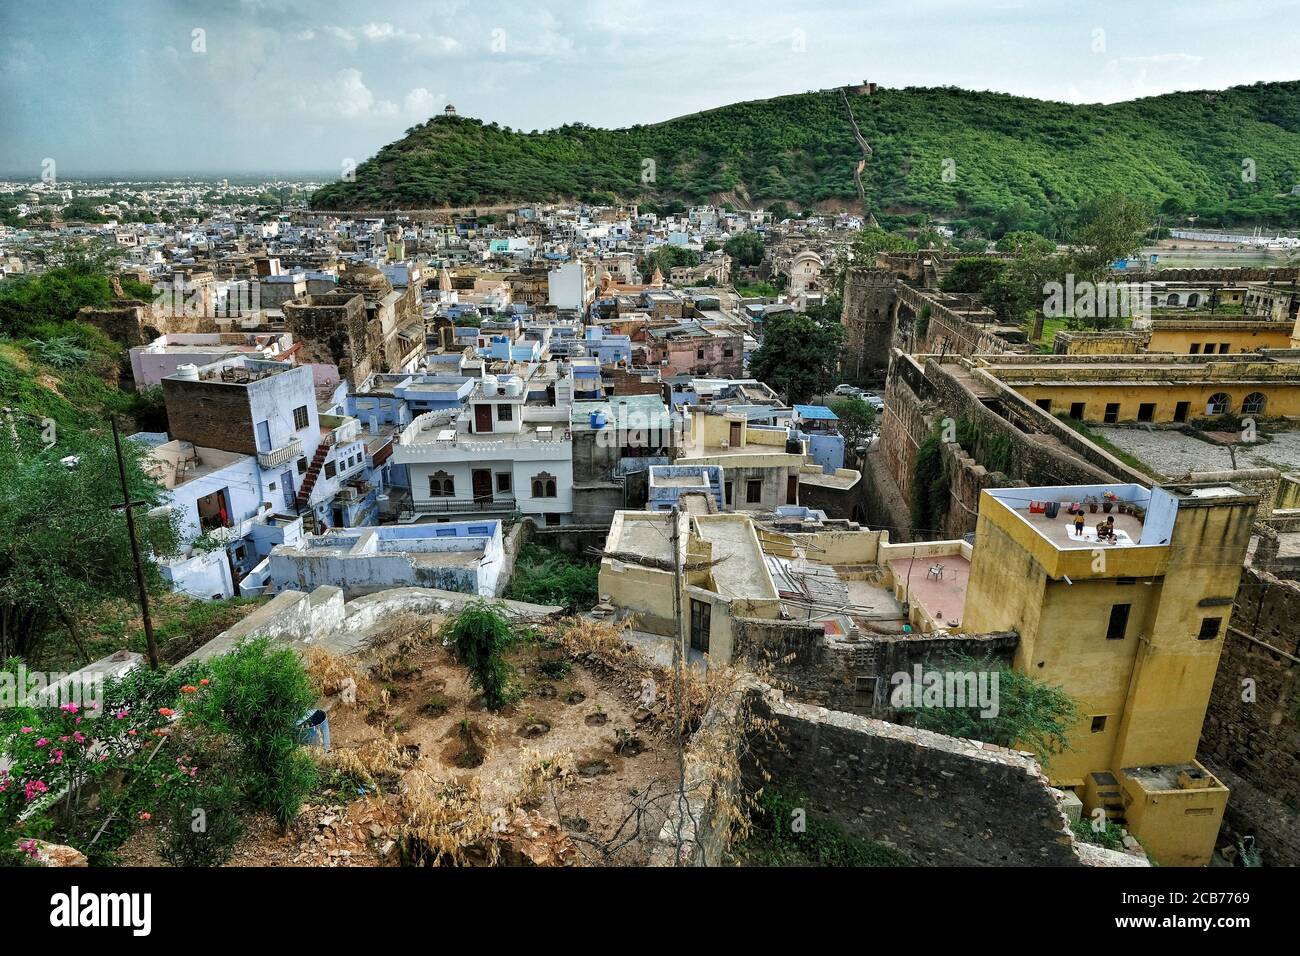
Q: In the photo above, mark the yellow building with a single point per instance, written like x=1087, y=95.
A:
x=1132, y=630
x=1153, y=388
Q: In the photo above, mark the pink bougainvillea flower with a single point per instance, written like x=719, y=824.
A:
x=34, y=789
x=131, y=732
x=70, y=708
x=121, y=714
x=42, y=742
x=79, y=737
x=28, y=730
x=146, y=815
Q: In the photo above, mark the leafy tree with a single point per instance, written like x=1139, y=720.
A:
x=857, y=419
x=63, y=545
x=745, y=249
x=1031, y=715
x=973, y=274
x=1024, y=242
x=799, y=355
x=1112, y=227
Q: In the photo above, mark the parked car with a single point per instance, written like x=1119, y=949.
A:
x=847, y=389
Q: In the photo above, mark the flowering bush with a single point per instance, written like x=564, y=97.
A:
x=58, y=756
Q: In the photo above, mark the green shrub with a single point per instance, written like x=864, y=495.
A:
x=784, y=835
x=545, y=575
x=480, y=636
x=259, y=694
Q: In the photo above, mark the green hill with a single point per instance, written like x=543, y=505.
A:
x=1031, y=160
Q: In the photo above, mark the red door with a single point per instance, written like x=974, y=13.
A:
x=482, y=418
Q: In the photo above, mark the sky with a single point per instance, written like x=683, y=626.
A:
x=296, y=86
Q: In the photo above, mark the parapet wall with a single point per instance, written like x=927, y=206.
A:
x=1251, y=735
x=941, y=800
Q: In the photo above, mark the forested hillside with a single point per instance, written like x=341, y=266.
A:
x=1230, y=157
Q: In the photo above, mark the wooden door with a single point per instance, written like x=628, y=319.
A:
x=482, y=418
x=482, y=478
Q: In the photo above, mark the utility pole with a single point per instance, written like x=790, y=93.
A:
x=127, y=505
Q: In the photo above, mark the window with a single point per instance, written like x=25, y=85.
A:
x=330, y=469
x=1045, y=404
x=1118, y=622
x=1181, y=410
x=865, y=689
x=699, y=353
x=442, y=485
x=1209, y=628
x=505, y=413
x=302, y=466
x=726, y=488
x=300, y=417
x=1098, y=724
x=544, y=486
x=1112, y=413
x=1223, y=348
x=1195, y=349
x=503, y=480
x=552, y=520
x=1253, y=404
x=754, y=491
x=1077, y=410
x=1218, y=404
x=1146, y=411
x=1193, y=300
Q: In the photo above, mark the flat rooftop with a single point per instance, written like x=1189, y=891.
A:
x=937, y=584
x=741, y=571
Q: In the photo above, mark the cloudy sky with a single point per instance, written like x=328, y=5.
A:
x=233, y=86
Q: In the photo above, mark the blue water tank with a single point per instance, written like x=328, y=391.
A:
x=597, y=419
x=314, y=730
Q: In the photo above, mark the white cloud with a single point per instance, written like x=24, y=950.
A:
x=420, y=102
x=346, y=96
x=379, y=32
x=346, y=37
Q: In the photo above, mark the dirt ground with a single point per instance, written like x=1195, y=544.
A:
x=615, y=755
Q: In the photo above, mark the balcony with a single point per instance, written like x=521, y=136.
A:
x=277, y=457
x=463, y=505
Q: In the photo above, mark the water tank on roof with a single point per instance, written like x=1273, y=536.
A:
x=597, y=419
x=189, y=372
x=514, y=386
x=489, y=384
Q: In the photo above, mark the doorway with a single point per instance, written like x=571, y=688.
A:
x=735, y=435
x=482, y=418
x=701, y=613
x=482, y=481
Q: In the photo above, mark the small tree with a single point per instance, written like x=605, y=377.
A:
x=480, y=637
x=857, y=419
x=259, y=695
x=1031, y=715
x=799, y=355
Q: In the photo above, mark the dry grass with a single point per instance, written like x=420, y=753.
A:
x=331, y=674
x=379, y=757
x=446, y=824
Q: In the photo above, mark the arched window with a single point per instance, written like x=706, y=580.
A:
x=1193, y=300
x=442, y=485
x=1253, y=404
x=544, y=486
x=1173, y=299
x=1218, y=404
